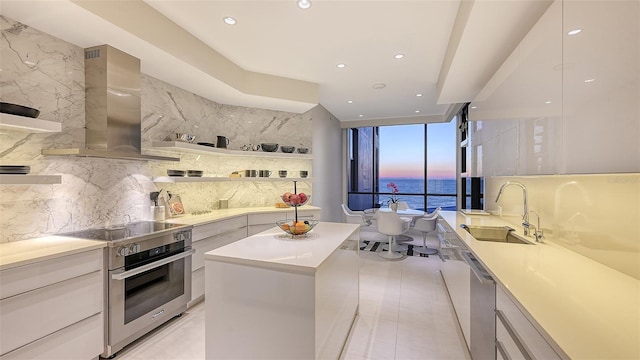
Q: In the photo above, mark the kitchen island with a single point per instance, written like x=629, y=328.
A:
x=273, y=297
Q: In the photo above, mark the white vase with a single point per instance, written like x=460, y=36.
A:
x=394, y=207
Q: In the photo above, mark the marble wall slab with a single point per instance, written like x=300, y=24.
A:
x=44, y=72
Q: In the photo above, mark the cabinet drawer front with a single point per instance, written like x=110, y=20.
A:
x=266, y=218
x=214, y=242
x=197, y=284
x=507, y=345
x=536, y=344
x=21, y=279
x=304, y=215
x=271, y=218
x=200, y=232
x=80, y=341
x=254, y=229
x=37, y=313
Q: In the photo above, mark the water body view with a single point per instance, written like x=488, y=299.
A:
x=416, y=186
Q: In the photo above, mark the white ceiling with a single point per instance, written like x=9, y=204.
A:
x=281, y=57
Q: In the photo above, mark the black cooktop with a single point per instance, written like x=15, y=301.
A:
x=131, y=230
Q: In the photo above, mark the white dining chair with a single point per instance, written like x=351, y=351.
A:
x=426, y=225
x=390, y=224
x=368, y=228
x=403, y=205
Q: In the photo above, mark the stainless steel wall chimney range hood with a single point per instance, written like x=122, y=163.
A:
x=112, y=107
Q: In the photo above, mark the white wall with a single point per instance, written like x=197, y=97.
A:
x=327, y=164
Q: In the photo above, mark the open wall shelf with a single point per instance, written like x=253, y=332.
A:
x=27, y=124
x=178, y=146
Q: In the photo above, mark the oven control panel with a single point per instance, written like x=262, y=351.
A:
x=183, y=236
x=128, y=249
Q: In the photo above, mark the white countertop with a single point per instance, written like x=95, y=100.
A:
x=274, y=250
x=590, y=310
x=19, y=253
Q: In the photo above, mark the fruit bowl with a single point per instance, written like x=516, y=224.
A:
x=299, y=228
x=295, y=200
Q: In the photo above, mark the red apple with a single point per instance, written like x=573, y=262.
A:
x=294, y=199
x=286, y=196
x=303, y=198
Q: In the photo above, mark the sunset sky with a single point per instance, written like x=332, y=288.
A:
x=402, y=154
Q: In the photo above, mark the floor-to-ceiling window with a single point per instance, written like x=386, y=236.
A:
x=420, y=160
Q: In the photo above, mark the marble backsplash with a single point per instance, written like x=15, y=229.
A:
x=44, y=72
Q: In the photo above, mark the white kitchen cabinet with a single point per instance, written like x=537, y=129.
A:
x=601, y=87
x=262, y=221
x=53, y=302
x=566, y=104
x=456, y=274
x=207, y=237
x=520, y=108
x=516, y=336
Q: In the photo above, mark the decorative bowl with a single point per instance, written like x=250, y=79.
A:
x=194, y=173
x=303, y=150
x=299, y=228
x=287, y=149
x=182, y=137
x=15, y=109
x=295, y=200
x=269, y=147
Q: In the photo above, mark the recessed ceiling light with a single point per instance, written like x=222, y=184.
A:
x=574, y=32
x=547, y=102
x=417, y=111
x=474, y=107
x=379, y=86
x=398, y=56
x=229, y=20
x=350, y=101
x=360, y=115
x=418, y=95
x=589, y=80
x=304, y=4
x=341, y=66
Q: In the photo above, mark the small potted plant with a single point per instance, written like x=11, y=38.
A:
x=393, y=201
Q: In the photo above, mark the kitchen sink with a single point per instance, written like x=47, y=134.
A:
x=502, y=234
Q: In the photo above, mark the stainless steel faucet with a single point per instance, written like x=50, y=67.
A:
x=538, y=234
x=525, y=211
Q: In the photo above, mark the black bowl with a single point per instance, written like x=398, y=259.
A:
x=269, y=147
x=287, y=149
x=194, y=173
x=176, y=172
x=303, y=150
x=19, y=110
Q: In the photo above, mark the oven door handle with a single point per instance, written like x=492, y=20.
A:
x=153, y=265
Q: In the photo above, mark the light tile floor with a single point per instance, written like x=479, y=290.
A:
x=405, y=314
